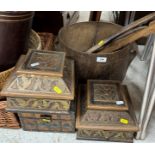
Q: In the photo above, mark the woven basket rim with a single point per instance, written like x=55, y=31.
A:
x=5, y=71
x=38, y=39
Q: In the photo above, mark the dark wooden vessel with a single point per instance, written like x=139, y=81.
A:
x=106, y=95
x=77, y=38
x=15, y=29
x=107, y=125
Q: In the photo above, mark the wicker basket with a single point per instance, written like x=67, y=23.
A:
x=34, y=43
x=47, y=40
x=4, y=75
x=8, y=119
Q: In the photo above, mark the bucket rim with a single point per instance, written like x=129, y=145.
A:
x=110, y=53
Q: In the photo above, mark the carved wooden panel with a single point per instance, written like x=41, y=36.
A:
x=47, y=125
x=58, y=121
x=37, y=104
x=105, y=92
x=101, y=118
x=105, y=135
x=27, y=85
x=43, y=62
x=106, y=95
x=30, y=83
x=54, y=116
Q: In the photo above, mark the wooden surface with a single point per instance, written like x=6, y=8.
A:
x=37, y=105
x=103, y=135
x=41, y=86
x=48, y=125
x=77, y=38
x=51, y=63
x=49, y=121
x=106, y=98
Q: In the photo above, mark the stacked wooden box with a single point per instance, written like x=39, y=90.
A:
x=41, y=91
x=105, y=112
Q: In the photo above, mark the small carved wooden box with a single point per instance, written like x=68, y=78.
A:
x=105, y=95
x=106, y=125
x=43, y=82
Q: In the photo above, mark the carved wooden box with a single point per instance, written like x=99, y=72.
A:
x=48, y=85
x=48, y=121
x=41, y=91
x=105, y=95
x=106, y=125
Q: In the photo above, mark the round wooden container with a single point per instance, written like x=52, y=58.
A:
x=14, y=32
x=75, y=39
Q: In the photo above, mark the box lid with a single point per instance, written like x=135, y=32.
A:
x=40, y=62
x=105, y=95
x=39, y=86
x=103, y=119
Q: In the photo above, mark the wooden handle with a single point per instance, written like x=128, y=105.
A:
x=134, y=24
x=117, y=44
x=125, y=29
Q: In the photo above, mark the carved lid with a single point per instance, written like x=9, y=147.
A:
x=39, y=62
x=104, y=119
x=106, y=95
x=26, y=84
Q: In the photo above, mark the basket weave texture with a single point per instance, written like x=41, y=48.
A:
x=7, y=119
x=34, y=41
x=4, y=75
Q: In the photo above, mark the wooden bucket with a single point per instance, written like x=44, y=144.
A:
x=77, y=38
x=14, y=32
